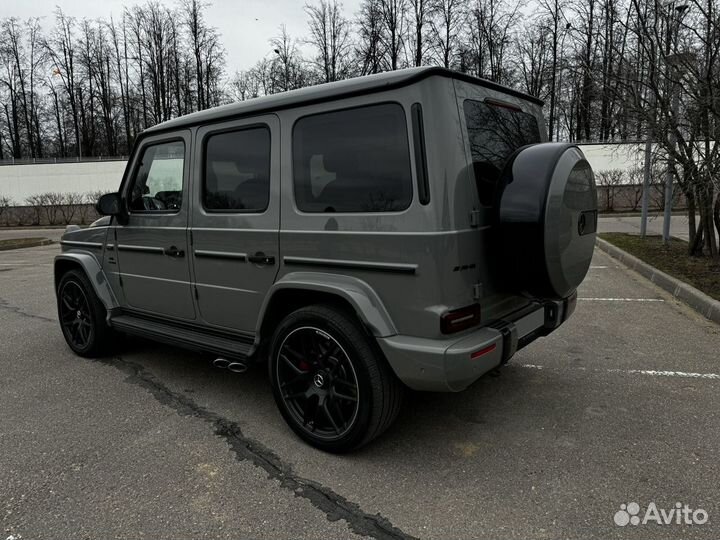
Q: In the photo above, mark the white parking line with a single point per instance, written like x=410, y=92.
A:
x=650, y=372
x=623, y=299
x=597, y=267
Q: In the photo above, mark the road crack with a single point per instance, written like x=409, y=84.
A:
x=5, y=306
x=333, y=505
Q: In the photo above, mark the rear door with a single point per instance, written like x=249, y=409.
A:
x=494, y=126
x=152, y=246
x=235, y=220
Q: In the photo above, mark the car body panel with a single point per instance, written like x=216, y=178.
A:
x=86, y=248
x=152, y=281
x=230, y=287
x=361, y=296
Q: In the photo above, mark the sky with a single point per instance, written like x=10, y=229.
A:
x=245, y=25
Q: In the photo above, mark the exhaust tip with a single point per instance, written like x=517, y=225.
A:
x=221, y=363
x=237, y=367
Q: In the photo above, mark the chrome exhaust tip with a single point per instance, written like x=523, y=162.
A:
x=237, y=367
x=221, y=363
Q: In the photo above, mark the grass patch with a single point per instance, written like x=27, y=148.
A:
x=16, y=243
x=700, y=272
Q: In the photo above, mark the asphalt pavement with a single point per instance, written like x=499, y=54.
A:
x=621, y=405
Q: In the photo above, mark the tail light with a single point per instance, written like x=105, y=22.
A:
x=460, y=319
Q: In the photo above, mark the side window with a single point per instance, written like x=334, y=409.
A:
x=354, y=160
x=158, y=182
x=237, y=170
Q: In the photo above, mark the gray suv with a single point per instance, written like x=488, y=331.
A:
x=407, y=229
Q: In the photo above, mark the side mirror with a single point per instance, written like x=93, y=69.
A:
x=109, y=205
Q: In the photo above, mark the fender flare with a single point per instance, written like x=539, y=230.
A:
x=95, y=274
x=357, y=293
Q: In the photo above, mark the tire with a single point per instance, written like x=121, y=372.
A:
x=547, y=214
x=317, y=353
x=82, y=316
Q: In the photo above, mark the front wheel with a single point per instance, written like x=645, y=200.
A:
x=82, y=315
x=331, y=386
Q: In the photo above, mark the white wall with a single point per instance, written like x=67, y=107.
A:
x=21, y=181
x=604, y=157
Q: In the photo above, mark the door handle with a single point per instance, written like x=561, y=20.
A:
x=172, y=251
x=261, y=258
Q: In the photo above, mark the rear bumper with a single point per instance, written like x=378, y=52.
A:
x=452, y=364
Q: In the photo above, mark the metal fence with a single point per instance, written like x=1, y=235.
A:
x=41, y=161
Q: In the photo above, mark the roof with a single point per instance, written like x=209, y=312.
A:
x=327, y=92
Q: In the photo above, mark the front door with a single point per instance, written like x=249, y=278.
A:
x=235, y=219
x=152, y=248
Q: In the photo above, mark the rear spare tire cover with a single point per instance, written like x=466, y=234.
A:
x=548, y=219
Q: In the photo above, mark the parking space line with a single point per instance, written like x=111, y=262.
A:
x=649, y=372
x=593, y=299
x=599, y=266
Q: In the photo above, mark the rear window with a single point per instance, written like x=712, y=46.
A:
x=495, y=132
x=354, y=160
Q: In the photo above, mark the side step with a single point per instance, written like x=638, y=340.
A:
x=181, y=337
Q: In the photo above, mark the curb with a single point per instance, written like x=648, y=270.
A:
x=706, y=306
x=36, y=243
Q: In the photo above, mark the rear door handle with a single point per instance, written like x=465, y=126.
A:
x=172, y=251
x=261, y=258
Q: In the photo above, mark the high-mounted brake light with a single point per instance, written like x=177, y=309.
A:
x=460, y=319
x=502, y=104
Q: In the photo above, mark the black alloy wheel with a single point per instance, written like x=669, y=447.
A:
x=75, y=316
x=330, y=381
x=318, y=383
x=82, y=316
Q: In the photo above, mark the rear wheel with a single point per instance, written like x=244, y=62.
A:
x=82, y=316
x=331, y=386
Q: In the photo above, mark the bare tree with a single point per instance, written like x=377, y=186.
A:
x=533, y=59
x=446, y=25
x=393, y=14
x=287, y=71
x=330, y=36
x=370, y=48
x=206, y=51
x=61, y=47
x=553, y=22
x=492, y=25
x=419, y=21
x=244, y=85
x=670, y=87
x=609, y=181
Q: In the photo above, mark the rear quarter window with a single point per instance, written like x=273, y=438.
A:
x=352, y=160
x=494, y=132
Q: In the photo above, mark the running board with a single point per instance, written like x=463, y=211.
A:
x=181, y=337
